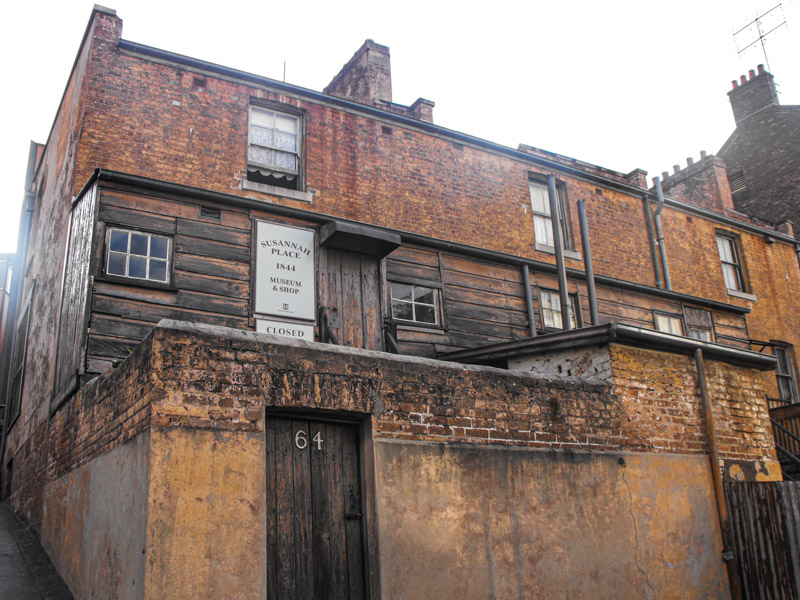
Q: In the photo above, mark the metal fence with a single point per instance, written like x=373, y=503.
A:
x=765, y=523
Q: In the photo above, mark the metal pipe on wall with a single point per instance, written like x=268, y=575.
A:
x=555, y=221
x=660, y=233
x=526, y=281
x=587, y=262
x=651, y=239
x=728, y=553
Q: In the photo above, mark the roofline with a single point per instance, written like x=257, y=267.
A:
x=438, y=130
x=297, y=213
x=611, y=333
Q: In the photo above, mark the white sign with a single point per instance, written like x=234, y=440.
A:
x=292, y=330
x=285, y=272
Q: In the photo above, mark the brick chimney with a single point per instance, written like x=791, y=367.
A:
x=753, y=94
x=366, y=78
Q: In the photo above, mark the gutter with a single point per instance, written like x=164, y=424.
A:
x=413, y=238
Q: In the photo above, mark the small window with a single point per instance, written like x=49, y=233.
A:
x=542, y=219
x=731, y=263
x=273, y=151
x=138, y=255
x=669, y=324
x=414, y=303
x=784, y=372
x=551, y=310
x=699, y=324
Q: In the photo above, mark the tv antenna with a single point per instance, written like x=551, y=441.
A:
x=762, y=22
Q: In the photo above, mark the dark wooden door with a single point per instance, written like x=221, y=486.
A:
x=314, y=515
x=349, y=286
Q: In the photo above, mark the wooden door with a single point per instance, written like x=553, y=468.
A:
x=315, y=546
x=349, y=287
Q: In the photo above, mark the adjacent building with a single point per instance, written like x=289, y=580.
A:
x=269, y=341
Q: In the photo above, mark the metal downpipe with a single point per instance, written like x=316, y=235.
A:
x=526, y=281
x=587, y=263
x=660, y=234
x=651, y=240
x=555, y=221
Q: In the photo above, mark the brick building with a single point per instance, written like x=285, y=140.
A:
x=256, y=346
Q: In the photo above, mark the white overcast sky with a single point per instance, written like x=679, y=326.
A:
x=615, y=83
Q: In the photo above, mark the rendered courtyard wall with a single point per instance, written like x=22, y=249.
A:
x=526, y=481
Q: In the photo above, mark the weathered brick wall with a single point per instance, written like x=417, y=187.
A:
x=662, y=409
x=214, y=378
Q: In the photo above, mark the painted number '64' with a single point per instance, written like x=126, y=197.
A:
x=301, y=441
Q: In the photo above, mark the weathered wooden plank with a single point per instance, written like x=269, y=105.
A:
x=201, y=247
x=143, y=311
x=211, y=303
x=496, y=330
x=301, y=474
x=351, y=309
x=131, y=292
x=487, y=313
x=231, y=288
x=415, y=255
x=272, y=471
x=352, y=507
x=216, y=267
x=211, y=231
x=498, y=301
x=321, y=546
x=371, y=303
x=104, y=346
x=402, y=269
x=461, y=264
x=286, y=538
x=126, y=217
x=478, y=282
x=339, y=581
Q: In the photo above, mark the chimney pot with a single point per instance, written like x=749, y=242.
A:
x=734, y=85
x=752, y=74
x=743, y=79
x=703, y=154
x=676, y=168
x=689, y=161
x=760, y=69
x=664, y=174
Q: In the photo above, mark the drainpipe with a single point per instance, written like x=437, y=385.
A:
x=728, y=550
x=555, y=221
x=587, y=262
x=526, y=281
x=651, y=238
x=660, y=234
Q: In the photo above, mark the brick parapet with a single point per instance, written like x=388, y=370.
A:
x=215, y=378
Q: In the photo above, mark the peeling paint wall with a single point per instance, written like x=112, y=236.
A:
x=460, y=522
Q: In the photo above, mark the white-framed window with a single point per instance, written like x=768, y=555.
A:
x=414, y=303
x=273, y=149
x=731, y=261
x=668, y=324
x=542, y=219
x=550, y=303
x=138, y=255
x=784, y=372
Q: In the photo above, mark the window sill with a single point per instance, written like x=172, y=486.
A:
x=743, y=295
x=273, y=190
x=421, y=327
x=573, y=254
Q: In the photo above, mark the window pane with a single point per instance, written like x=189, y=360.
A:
x=158, y=247
x=543, y=232
x=286, y=141
x=725, y=247
x=264, y=118
x=731, y=276
x=118, y=241
x=287, y=124
x=137, y=267
x=116, y=264
x=402, y=310
x=703, y=335
x=158, y=270
x=260, y=155
x=425, y=314
x=540, y=201
x=262, y=137
x=423, y=295
x=783, y=361
x=401, y=291
x=784, y=387
x=139, y=244
x=284, y=160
